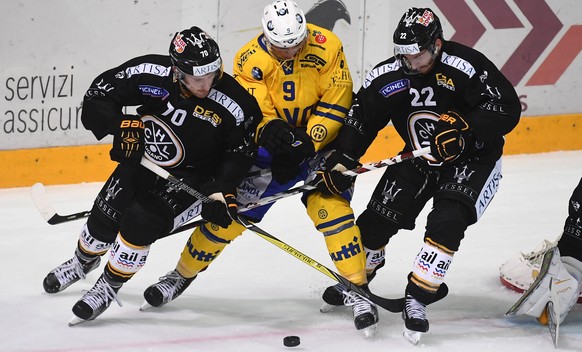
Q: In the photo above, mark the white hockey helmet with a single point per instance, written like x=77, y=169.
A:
x=284, y=24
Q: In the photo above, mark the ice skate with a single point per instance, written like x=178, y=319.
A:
x=332, y=298
x=68, y=273
x=95, y=301
x=415, y=322
x=166, y=290
x=365, y=313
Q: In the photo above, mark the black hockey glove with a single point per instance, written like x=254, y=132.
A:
x=276, y=137
x=330, y=179
x=280, y=138
x=128, y=140
x=447, y=139
x=223, y=208
x=286, y=162
x=221, y=211
x=285, y=168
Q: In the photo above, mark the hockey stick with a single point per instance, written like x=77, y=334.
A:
x=354, y=172
x=392, y=305
x=45, y=208
x=52, y=217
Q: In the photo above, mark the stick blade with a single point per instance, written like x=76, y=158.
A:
x=41, y=201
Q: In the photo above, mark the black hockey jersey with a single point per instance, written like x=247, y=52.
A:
x=212, y=136
x=462, y=80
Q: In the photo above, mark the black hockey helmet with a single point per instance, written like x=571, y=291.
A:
x=194, y=52
x=417, y=30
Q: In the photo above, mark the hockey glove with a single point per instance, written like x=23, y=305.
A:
x=447, y=139
x=286, y=164
x=330, y=179
x=223, y=208
x=285, y=168
x=128, y=140
x=280, y=138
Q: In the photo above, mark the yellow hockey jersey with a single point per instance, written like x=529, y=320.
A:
x=312, y=91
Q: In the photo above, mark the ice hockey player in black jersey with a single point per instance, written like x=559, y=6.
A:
x=436, y=93
x=192, y=119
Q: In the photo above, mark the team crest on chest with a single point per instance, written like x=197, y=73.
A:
x=161, y=144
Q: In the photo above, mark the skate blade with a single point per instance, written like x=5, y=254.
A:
x=370, y=331
x=145, y=306
x=412, y=336
x=75, y=320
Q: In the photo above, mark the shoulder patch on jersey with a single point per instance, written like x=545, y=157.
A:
x=229, y=104
x=458, y=63
x=395, y=87
x=380, y=70
x=318, y=133
x=146, y=67
x=257, y=73
x=320, y=38
x=153, y=91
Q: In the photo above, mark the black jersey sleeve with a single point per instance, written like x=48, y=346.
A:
x=119, y=87
x=496, y=108
x=240, y=148
x=369, y=112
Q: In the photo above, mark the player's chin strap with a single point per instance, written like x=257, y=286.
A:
x=392, y=305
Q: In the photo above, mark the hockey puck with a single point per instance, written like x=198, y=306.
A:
x=291, y=341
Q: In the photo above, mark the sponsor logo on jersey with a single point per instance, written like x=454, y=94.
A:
x=320, y=38
x=152, y=91
x=380, y=70
x=257, y=73
x=347, y=251
x=244, y=56
x=207, y=115
x=153, y=69
x=458, y=63
x=229, y=104
x=312, y=60
x=445, y=82
x=395, y=87
x=161, y=144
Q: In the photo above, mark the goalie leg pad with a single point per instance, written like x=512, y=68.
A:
x=553, y=271
x=519, y=272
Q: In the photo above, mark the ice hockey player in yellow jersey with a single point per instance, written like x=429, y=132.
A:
x=300, y=77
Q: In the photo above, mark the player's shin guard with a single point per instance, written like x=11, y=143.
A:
x=334, y=218
x=125, y=260
x=333, y=296
x=204, y=245
x=86, y=259
x=428, y=273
